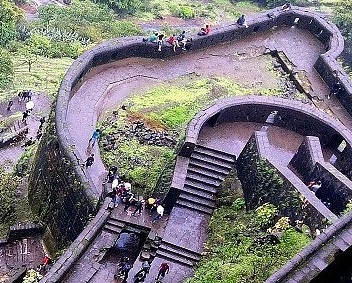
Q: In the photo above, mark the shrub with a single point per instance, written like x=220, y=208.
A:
x=266, y=213
x=239, y=204
x=186, y=12
x=6, y=68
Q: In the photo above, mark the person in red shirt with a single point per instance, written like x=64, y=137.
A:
x=163, y=269
x=204, y=31
x=173, y=41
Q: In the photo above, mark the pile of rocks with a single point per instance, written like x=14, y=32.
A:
x=143, y=134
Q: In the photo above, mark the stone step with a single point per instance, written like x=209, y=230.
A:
x=112, y=229
x=203, y=179
x=194, y=206
x=197, y=200
x=174, y=258
x=198, y=192
x=215, y=152
x=194, y=163
x=115, y=222
x=206, y=172
x=211, y=160
x=191, y=183
x=175, y=249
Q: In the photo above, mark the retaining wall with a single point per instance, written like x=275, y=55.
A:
x=264, y=181
x=308, y=153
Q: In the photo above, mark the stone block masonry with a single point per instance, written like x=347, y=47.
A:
x=265, y=181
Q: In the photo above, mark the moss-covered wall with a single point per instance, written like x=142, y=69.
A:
x=56, y=194
x=308, y=153
x=263, y=183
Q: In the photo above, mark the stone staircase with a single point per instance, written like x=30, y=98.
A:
x=206, y=170
x=114, y=226
x=178, y=254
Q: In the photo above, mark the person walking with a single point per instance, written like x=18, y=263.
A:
x=42, y=121
x=95, y=137
x=25, y=114
x=9, y=105
x=160, y=213
x=139, y=207
x=163, y=269
x=142, y=273
x=89, y=161
x=125, y=270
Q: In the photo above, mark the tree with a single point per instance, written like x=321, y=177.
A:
x=343, y=19
x=9, y=17
x=29, y=56
x=6, y=68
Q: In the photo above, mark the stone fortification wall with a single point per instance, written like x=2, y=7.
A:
x=61, y=181
x=307, y=155
x=263, y=181
x=56, y=195
x=301, y=118
x=336, y=188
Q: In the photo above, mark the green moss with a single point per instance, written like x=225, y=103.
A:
x=233, y=256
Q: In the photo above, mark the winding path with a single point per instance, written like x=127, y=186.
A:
x=107, y=86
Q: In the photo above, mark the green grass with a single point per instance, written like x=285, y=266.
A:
x=232, y=255
x=45, y=76
x=212, y=12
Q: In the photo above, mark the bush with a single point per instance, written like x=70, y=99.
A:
x=186, y=12
x=8, y=187
x=83, y=21
x=6, y=68
x=126, y=6
x=266, y=213
x=239, y=204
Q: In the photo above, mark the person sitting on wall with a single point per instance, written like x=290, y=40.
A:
x=204, y=31
x=182, y=39
x=152, y=38
x=44, y=265
x=286, y=7
x=336, y=85
x=241, y=21
x=314, y=186
x=160, y=41
x=173, y=41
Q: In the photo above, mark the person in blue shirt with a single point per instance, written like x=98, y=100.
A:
x=95, y=137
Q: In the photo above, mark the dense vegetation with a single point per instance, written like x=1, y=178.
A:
x=241, y=249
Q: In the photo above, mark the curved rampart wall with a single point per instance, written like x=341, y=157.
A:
x=117, y=49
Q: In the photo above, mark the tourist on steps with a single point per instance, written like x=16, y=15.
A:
x=163, y=269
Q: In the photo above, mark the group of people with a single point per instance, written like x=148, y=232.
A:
x=121, y=192
x=125, y=266
x=175, y=41
x=26, y=97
